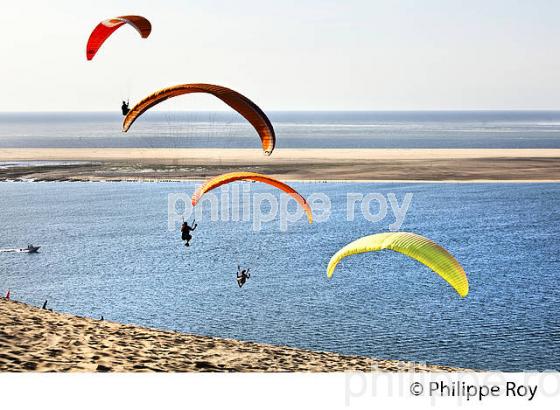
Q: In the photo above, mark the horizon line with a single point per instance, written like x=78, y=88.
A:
x=284, y=111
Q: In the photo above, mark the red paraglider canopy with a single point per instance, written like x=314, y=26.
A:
x=107, y=27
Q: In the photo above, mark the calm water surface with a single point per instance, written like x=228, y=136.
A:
x=453, y=129
x=107, y=251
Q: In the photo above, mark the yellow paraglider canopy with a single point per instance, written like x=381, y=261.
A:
x=415, y=246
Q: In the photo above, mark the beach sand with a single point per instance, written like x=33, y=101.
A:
x=451, y=165
x=33, y=339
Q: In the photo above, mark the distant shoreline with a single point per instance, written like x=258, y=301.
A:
x=316, y=165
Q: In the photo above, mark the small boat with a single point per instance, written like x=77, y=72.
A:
x=30, y=249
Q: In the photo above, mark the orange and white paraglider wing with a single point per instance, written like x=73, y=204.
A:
x=244, y=106
x=252, y=176
x=107, y=27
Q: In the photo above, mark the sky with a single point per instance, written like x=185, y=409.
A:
x=286, y=55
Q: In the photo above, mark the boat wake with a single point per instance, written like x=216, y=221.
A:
x=29, y=249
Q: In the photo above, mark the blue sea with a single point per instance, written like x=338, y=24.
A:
x=107, y=250
x=424, y=129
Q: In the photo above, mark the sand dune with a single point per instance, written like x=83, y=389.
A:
x=32, y=339
x=289, y=164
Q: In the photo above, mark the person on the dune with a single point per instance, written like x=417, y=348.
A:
x=186, y=230
x=124, y=107
x=242, y=275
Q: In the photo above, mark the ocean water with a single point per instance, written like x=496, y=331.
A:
x=478, y=129
x=107, y=250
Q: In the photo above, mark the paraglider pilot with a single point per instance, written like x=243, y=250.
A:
x=242, y=275
x=124, y=107
x=186, y=232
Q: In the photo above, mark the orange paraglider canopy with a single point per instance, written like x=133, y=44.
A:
x=107, y=27
x=248, y=109
x=251, y=176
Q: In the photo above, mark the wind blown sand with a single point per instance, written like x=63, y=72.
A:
x=33, y=339
x=452, y=165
